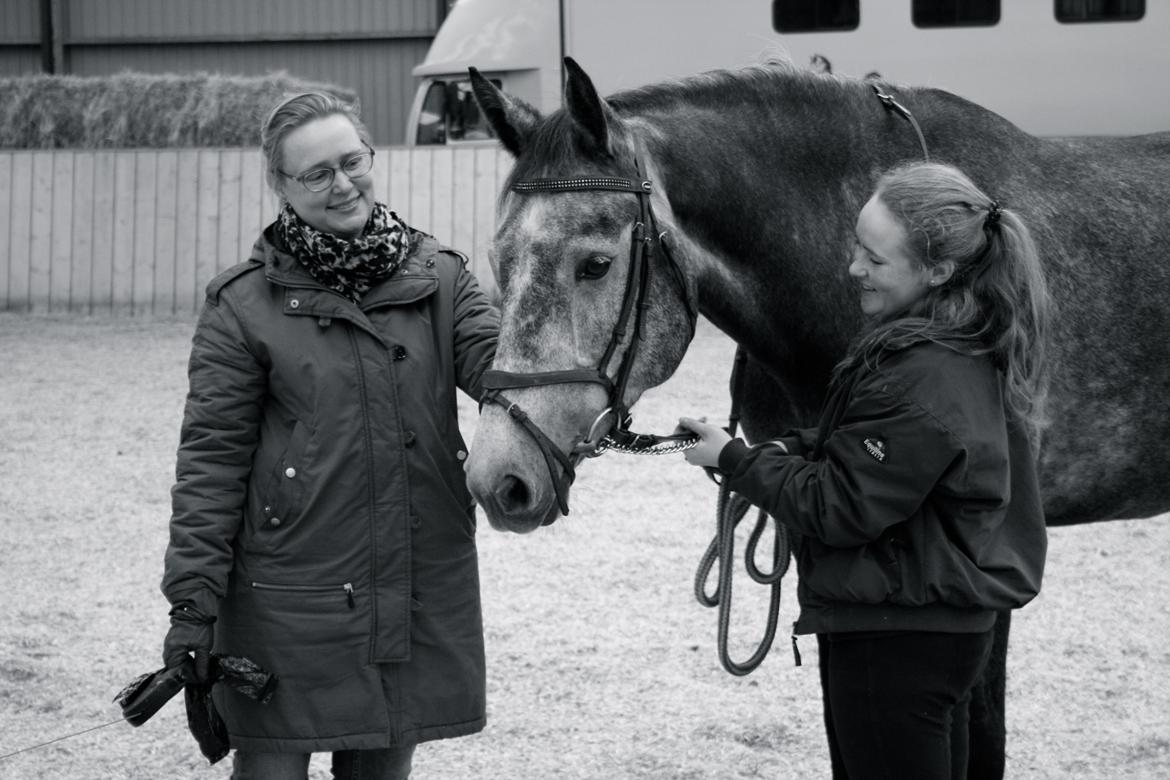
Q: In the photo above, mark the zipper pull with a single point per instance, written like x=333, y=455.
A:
x=348, y=588
x=795, y=649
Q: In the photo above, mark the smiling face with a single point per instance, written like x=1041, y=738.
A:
x=342, y=208
x=890, y=279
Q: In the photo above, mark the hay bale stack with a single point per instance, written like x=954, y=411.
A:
x=136, y=110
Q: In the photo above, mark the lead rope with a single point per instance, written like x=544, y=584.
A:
x=730, y=510
x=60, y=739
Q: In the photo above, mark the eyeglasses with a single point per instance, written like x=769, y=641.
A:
x=320, y=179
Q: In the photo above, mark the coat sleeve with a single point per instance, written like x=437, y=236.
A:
x=799, y=441
x=477, y=324
x=879, y=465
x=217, y=441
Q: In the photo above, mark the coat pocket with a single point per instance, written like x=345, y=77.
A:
x=315, y=637
x=300, y=625
x=345, y=589
x=282, y=491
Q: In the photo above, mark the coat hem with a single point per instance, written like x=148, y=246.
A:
x=376, y=740
x=844, y=617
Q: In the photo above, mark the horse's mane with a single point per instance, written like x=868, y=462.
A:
x=750, y=82
x=555, y=145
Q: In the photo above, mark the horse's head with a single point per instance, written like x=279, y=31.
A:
x=588, y=292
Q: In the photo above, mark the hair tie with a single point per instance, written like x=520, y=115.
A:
x=992, y=214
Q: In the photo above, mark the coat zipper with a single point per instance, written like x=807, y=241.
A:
x=347, y=588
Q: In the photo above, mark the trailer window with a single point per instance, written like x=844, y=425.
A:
x=450, y=113
x=955, y=13
x=1072, y=11
x=797, y=16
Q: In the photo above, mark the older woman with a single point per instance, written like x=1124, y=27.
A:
x=321, y=526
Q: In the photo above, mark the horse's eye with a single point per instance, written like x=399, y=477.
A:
x=594, y=267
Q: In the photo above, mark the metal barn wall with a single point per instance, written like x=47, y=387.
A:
x=20, y=37
x=368, y=46
x=246, y=19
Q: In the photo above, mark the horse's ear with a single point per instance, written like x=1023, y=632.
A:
x=511, y=118
x=585, y=106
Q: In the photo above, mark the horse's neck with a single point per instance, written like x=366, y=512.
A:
x=766, y=193
x=765, y=208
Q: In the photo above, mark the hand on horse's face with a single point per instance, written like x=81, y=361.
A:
x=712, y=440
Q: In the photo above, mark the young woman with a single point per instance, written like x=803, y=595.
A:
x=321, y=526
x=914, y=503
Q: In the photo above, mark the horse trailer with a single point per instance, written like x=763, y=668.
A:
x=1052, y=67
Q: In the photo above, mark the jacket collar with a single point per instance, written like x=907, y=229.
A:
x=414, y=280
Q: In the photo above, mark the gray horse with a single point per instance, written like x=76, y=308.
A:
x=756, y=179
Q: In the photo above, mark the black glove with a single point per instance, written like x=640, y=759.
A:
x=192, y=632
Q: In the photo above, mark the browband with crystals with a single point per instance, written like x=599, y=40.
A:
x=580, y=184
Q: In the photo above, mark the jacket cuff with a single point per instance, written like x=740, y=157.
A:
x=202, y=599
x=792, y=445
x=731, y=455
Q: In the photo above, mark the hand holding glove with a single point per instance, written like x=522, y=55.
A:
x=192, y=632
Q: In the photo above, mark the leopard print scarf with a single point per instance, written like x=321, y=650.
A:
x=347, y=266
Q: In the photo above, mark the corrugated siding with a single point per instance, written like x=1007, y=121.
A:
x=369, y=46
x=20, y=37
x=20, y=21
x=185, y=19
x=19, y=60
x=143, y=231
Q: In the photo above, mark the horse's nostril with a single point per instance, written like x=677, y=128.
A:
x=513, y=494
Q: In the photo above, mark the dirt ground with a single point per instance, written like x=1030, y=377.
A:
x=600, y=662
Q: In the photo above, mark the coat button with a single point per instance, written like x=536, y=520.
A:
x=415, y=521
x=408, y=438
x=399, y=352
x=460, y=455
x=274, y=522
x=294, y=304
x=290, y=472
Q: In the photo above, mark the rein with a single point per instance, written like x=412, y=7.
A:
x=899, y=109
x=645, y=239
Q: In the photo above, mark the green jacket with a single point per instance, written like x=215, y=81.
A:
x=320, y=508
x=915, y=502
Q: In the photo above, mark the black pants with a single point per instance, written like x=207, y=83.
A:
x=896, y=702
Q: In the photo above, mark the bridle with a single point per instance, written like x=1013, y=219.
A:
x=645, y=240
x=731, y=509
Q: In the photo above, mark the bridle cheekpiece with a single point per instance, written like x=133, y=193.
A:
x=610, y=430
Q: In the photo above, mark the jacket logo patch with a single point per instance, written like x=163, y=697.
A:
x=876, y=449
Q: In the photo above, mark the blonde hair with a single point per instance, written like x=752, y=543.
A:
x=296, y=110
x=996, y=301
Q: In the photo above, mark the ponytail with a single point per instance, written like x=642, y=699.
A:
x=996, y=301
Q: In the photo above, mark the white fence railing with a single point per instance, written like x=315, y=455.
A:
x=144, y=231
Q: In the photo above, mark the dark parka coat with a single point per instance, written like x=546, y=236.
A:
x=320, y=508
x=916, y=501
